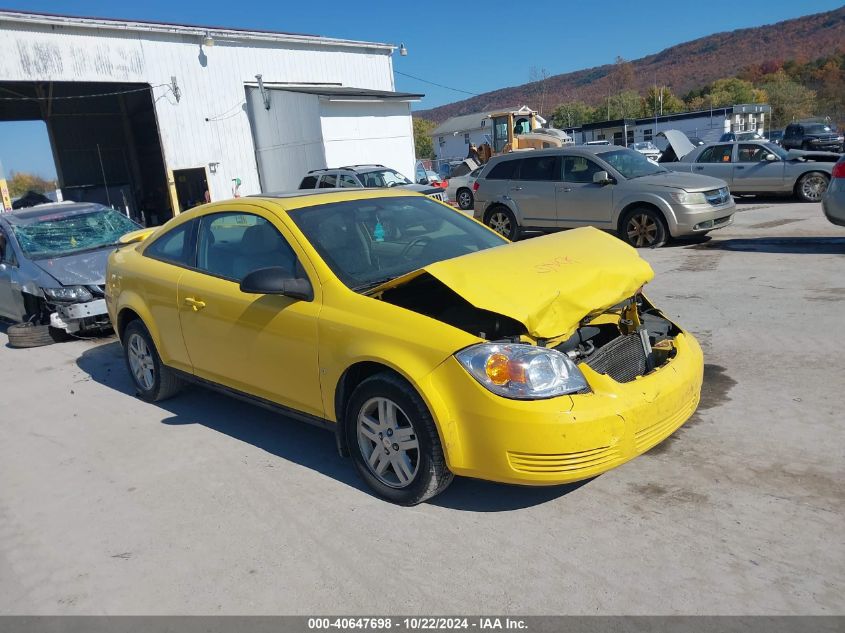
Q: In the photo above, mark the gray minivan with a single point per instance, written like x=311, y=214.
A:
x=606, y=186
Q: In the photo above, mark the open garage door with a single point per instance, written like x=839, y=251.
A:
x=105, y=142
x=296, y=129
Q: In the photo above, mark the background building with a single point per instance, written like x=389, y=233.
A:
x=708, y=125
x=149, y=117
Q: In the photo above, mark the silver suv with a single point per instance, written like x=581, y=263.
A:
x=605, y=186
x=359, y=176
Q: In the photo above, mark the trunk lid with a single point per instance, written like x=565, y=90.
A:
x=548, y=283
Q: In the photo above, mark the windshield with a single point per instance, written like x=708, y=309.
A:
x=818, y=129
x=631, y=164
x=67, y=233
x=368, y=242
x=777, y=150
x=383, y=178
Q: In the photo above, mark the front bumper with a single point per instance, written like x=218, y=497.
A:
x=700, y=218
x=73, y=317
x=569, y=438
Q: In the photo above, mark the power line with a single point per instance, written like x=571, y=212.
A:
x=103, y=94
x=426, y=81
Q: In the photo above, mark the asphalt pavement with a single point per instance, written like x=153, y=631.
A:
x=207, y=505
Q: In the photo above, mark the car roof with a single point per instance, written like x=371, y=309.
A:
x=298, y=198
x=354, y=168
x=577, y=150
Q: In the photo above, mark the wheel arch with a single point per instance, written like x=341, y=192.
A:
x=636, y=204
x=357, y=373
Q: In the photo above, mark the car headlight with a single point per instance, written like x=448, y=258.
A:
x=686, y=197
x=520, y=371
x=68, y=293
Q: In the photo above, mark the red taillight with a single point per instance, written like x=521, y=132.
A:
x=839, y=170
x=475, y=186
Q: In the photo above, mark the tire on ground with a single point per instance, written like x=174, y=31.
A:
x=643, y=227
x=166, y=383
x=813, y=194
x=502, y=220
x=432, y=475
x=30, y=335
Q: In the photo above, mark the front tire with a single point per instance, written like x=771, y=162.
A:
x=153, y=380
x=502, y=220
x=812, y=186
x=644, y=227
x=465, y=199
x=394, y=442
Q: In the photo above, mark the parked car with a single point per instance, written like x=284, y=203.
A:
x=431, y=177
x=53, y=266
x=647, y=149
x=610, y=187
x=776, y=137
x=459, y=188
x=430, y=345
x=812, y=136
x=754, y=167
x=739, y=136
x=833, y=202
x=370, y=176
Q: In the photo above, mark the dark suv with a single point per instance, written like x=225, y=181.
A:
x=812, y=137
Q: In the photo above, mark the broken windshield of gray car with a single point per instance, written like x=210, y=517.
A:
x=61, y=234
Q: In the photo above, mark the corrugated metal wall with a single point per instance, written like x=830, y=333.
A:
x=209, y=122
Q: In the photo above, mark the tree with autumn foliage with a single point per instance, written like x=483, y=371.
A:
x=20, y=182
x=423, y=145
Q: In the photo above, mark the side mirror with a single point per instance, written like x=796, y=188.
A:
x=277, y=281
x=771, y=157
x=602, y=178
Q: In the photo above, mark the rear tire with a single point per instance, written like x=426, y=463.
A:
x=393, y=441
x=153, y=380
x=465, y=199
x=502, y=220
x=30, y=335
x=644, y=227
x=812, y=186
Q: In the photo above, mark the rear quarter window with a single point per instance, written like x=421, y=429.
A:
x=309, y=182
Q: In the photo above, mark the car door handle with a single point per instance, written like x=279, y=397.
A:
x=196, y=304
x=565, y=189
x=740, y=167
x=516, y=189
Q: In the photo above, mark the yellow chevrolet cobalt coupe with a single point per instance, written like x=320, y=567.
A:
x=431, y=345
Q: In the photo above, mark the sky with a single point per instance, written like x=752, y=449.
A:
x=472, y=47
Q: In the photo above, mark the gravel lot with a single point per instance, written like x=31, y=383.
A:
x=206, y=505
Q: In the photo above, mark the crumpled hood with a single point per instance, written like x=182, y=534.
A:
x=82, y=269
x=682, y=180
x=548, y=283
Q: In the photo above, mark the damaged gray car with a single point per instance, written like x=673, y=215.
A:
x=52, y=269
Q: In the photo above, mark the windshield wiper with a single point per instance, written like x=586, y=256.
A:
x=372, y=284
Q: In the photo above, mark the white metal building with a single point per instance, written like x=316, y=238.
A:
x=154, y=115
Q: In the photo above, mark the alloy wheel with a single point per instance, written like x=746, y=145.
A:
x=500, y=223
x=813, y=187
x=388, y=442
x=642, y=230
x=464, y=200
x=141, y=362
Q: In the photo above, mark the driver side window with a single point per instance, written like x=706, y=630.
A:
x=752, y=153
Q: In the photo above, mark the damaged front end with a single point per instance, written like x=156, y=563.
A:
x=575, y=295
x=76, y=309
